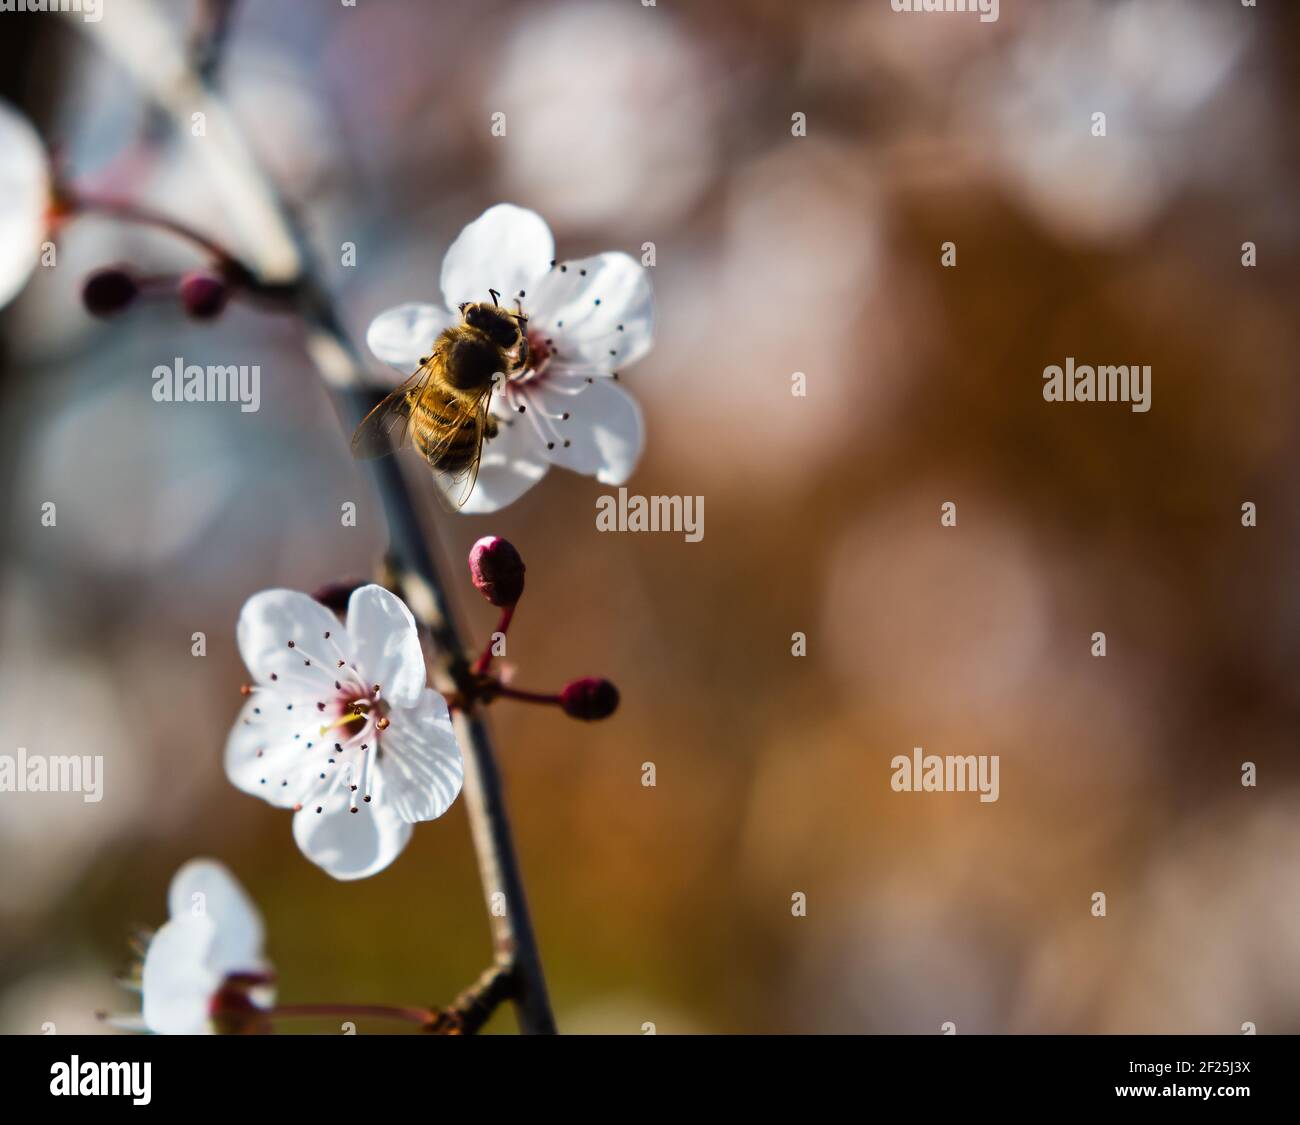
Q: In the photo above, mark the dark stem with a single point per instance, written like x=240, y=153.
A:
x=79, y=203
x=422, y=1016
x=474, y=1007
x=211, y=31
x=421, y=584
x=522, y=696
x=484, y=662
x=275, y=296
x=269, y=224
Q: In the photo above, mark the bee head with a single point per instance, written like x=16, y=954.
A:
x=500, y=326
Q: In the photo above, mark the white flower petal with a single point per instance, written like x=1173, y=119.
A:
x=512, y=463
x=387, y=644
x=265, y=759
x=404, y=335
x=351, y=845
x=421, y=763
x=507, y=248
x=204, y=888
x=599, y=311
x=176, y=983
x=273, y=618
x=24, y=201
x=605, y=431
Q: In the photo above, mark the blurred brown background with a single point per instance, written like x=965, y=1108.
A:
x=775, y=254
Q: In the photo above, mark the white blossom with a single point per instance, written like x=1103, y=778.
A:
x=340, y=727
x=208, y=954
x=587, y=320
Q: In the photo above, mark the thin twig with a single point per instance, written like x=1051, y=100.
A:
x=474, y=1007
x=211, y=33
x=128, y=212
x=272, y=234
x=423, y=1016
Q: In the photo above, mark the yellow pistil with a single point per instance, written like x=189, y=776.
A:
x=352, y=714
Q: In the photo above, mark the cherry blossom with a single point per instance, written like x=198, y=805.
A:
x=204, y=970
x=588, y=319
x=340, y=727
x=24, y=201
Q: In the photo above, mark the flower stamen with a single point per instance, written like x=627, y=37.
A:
x=543, y=423
x=311, y=660
x=356, y=712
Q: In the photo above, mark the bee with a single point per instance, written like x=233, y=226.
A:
x=443, y=409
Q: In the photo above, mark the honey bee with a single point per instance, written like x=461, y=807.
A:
x=443, y=409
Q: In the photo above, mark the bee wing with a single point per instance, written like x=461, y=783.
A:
x=384, y=429
x=454, y=489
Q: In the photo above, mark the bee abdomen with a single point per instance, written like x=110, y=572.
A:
x=438, y=413
x=448, y=448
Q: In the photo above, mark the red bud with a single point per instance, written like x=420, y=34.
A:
x=589, y=699
x=497, y=570
x=203, y=294
x=108, y=291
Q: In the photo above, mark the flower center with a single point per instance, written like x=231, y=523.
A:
x=540, y=349
x=350, y=719
x=518, y=397
x=353, y=715
x=357, y=712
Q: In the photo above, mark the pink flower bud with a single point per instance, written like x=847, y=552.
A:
x=203, y=294
x=335, y=595
x=589, y=699
x=108, y=291
x=497, y=570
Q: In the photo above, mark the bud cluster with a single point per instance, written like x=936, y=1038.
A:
x=110, y=291
x=497, y=571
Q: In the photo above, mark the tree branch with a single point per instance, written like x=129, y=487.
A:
x=278, y=247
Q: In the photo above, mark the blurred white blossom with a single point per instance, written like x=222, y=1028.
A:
x=1149, y=66
x=208, y=957
x=24, y=201
x=610, y=110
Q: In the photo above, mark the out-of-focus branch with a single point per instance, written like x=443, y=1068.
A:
x=275, y=244
x=474, y=1007
x=212, y=21
x=466, y=1015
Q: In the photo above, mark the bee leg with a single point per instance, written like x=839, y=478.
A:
x=490, y=427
